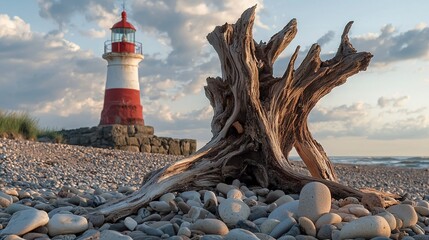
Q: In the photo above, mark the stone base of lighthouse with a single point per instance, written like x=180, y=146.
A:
x=136, y=138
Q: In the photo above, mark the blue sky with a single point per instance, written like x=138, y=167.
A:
x=50, y=59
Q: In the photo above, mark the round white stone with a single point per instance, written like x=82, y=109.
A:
x=314, y=201
x=366, y=227
x=389, y=218
x=113, y=235
x=308, y=226
x=210, y=226
x=130, y=223
x=167, y=197
x=233, y=210
x=210, y=198
x=240, y=234
x=328, y=218
x=404, y=212
x=268, y=225
x=25, y=221
x=61, y=224
x=234, y=193
x=287, y=209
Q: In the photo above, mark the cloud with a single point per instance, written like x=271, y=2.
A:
x=326, y=38
x=187, y=23
x=408, y=128
x=14, y=27
x=384, y=102
x=51, y=76
x=340, y=113
x=101, y=12
x=389, y=45
x=192, y=124
x=371, y=122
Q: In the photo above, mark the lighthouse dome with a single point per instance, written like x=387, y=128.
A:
x=123, y=23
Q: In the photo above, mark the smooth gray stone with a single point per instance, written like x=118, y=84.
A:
x=174, y=238
x=273, y=196
x=15, y=207
x=284, y=226
x=60, y=209
x=97, y=220
x=380, y=238
x=305, y=237
x=25, y=221
x=212, y=237
x=90, y=234
x=191, y=195
x=325, y=231
x=153, y=217
x=421, y=237
x=150, y=230
x=138, y=235
x=168, y=229
x=287, y=209
x=64, y=237
x=294, y=231
x=287, y=237
x=44, y=207
x=113, y=235
x=240, y=234
x=248, y=225
x=264, y=236
x=119, y=227
x=256, y=213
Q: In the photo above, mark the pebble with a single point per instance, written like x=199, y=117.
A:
x=287, y=209
x=130, y=223
x=69, y=187
x=5, y=200
x=328, y=218
x=404, y=212
x=366, y=227
x=113, y=235
x=391, y=220
x=25, y=221
x=61, y=224
x=424, y=211
x=314, y=201
x=325, y=231
x=210, y=226
x=284, y=226
x=240, y=234
x=308, y=226
x=160, y=206
x=232, y=210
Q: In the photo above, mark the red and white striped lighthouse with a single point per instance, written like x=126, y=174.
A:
x=122, y=95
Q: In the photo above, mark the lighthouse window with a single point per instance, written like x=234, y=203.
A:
x=123, y=35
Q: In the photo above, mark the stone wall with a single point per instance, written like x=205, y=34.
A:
x=134, y=138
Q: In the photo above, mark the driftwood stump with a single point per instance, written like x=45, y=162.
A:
x=258, y=118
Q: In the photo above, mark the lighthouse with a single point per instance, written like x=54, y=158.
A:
x=122, y=94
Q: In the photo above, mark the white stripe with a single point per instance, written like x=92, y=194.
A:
x=122, y=72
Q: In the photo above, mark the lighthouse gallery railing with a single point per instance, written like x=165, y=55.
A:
x=130, y=47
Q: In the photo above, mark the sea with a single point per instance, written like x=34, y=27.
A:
x=404, y=162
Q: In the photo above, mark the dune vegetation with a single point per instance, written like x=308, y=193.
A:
x=23, y=126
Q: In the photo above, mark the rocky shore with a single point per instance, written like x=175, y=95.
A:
x=48, y=190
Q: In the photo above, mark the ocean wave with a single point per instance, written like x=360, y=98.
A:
x=394, y=161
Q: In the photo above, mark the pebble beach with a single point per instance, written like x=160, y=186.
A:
x=47, y=191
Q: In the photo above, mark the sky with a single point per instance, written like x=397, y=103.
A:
x=51, y=65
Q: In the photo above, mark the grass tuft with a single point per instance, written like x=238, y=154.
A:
x=22, y=125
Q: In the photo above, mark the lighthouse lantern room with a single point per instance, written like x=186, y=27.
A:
x=122, y=95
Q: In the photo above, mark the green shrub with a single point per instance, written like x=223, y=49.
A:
x=18, y=124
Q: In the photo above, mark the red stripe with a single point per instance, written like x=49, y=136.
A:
x=122, y=106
